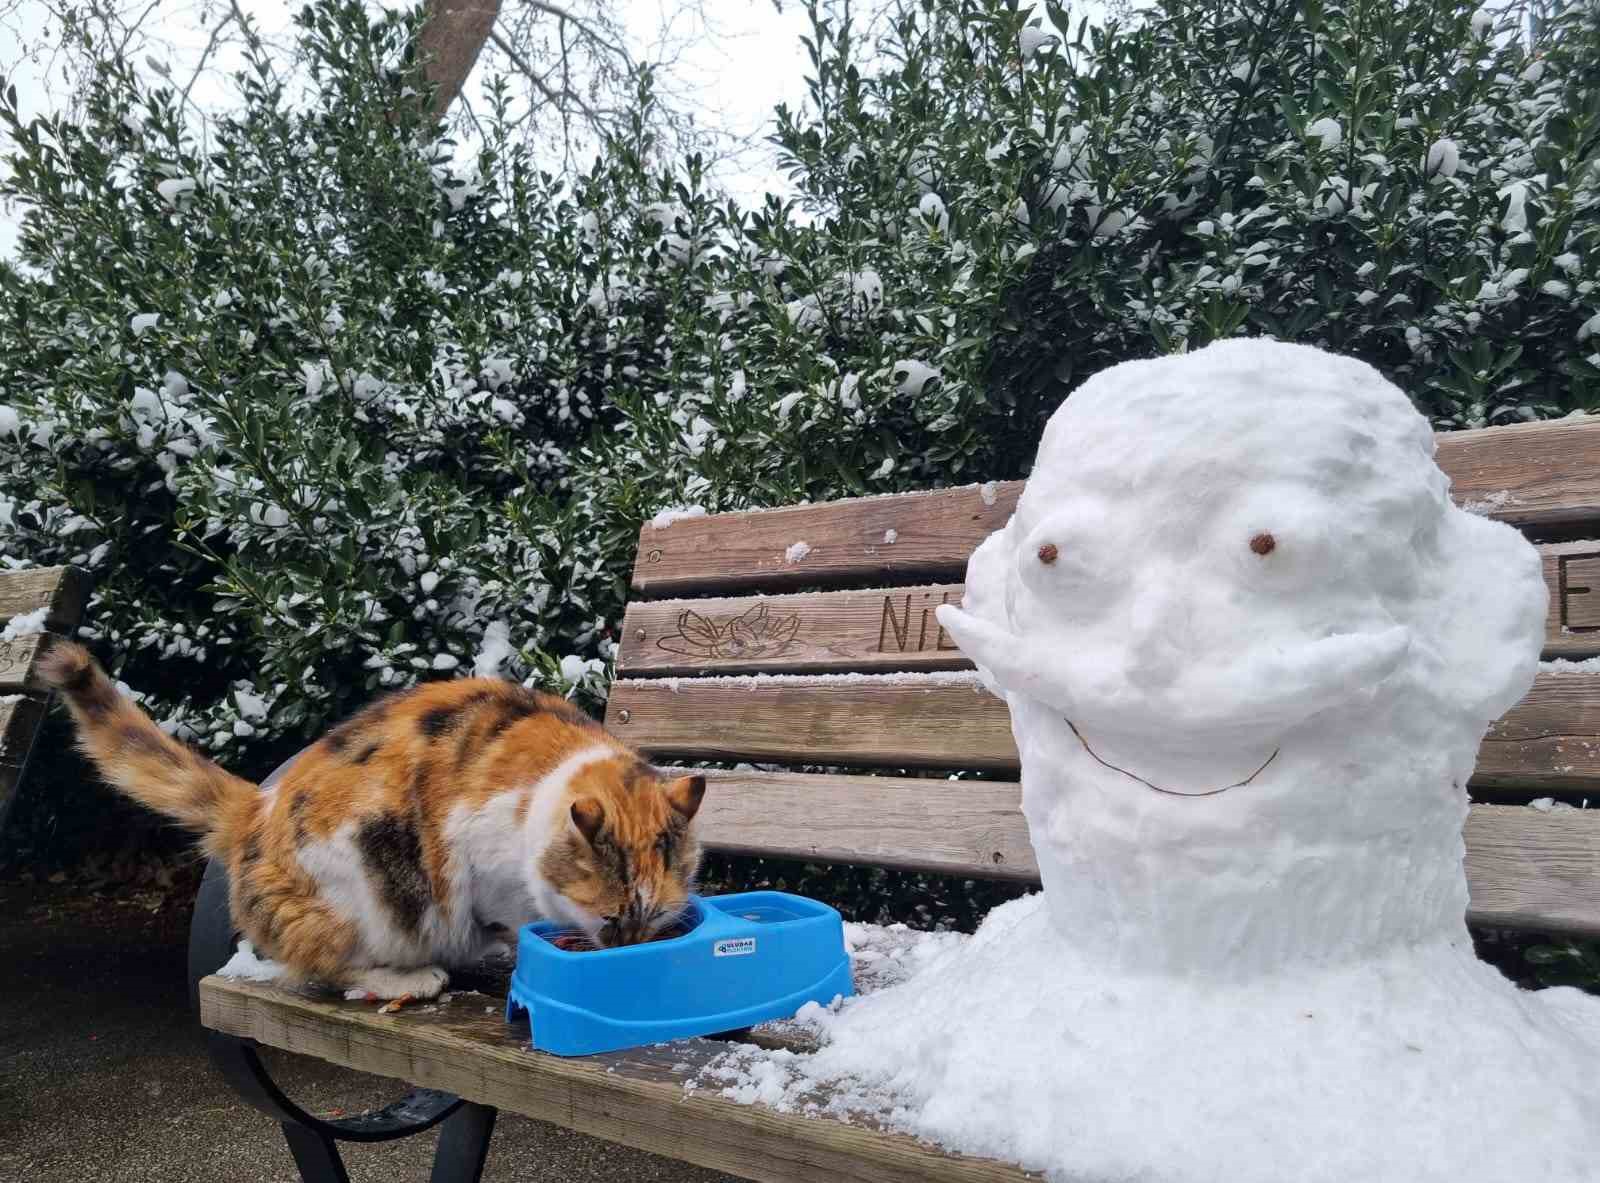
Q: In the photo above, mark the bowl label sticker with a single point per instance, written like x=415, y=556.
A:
x=734, y=947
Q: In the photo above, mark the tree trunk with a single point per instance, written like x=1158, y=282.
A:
x=453, y=34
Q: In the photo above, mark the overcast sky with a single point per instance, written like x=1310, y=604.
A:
x=753, y=61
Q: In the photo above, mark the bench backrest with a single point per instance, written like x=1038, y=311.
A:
x=60, y=592
x=859, y=675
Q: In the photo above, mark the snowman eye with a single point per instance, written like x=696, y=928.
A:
x=1048, y=553
x=1263, y=544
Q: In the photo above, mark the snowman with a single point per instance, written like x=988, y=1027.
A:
x=1249, y=648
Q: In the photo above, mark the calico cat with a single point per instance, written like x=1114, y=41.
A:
x=418, y=834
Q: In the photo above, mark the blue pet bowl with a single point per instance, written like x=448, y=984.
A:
x=745, y=959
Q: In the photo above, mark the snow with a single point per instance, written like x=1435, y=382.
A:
x=1442, y=159
x=25, y=624
x=796, y=552
x=575, y=669
x=1490, y=503
x=143, y=322
x=912, y=376
x=1590, y=665
x=1328, y=131
x=890, y=537
x=987, y=492
x=677, y=513
x=494, y=650
x=10, y=421
x=175, y=189
x=246, y=965
x=1200, y=624
x=445, y=661
x=1031, y=40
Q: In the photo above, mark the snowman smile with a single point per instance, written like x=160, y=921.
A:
x=1098, y=759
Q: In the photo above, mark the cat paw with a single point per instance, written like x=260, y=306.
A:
x=382, y=984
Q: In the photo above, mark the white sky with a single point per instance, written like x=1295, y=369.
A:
x=753, y=62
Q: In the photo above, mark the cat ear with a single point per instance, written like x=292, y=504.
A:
x=588, y=815
x=684, y=794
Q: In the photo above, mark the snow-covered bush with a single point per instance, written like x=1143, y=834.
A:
x=329, y=405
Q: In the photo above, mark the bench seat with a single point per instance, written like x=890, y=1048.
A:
x=465, y=1046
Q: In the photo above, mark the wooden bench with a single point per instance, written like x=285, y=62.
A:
x=694, y=683
x=59, y=592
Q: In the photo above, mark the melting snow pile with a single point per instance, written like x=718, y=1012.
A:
x=1249, y=649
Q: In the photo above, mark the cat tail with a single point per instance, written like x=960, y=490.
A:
x=140, y=759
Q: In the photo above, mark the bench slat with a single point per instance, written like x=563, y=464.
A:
x=933, y=533
x=1548, y=741
x=1530, y=869
x=911, y=721
x=893, y=628
x=1525, y=868
x=634, y=1098
x=16, y=662
x=1537, y=476
x=19, y=721
x=966, y=828
x=822, y=632
x=1572, y=573
x=62, y=590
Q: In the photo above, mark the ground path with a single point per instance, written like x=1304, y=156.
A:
x=104, y=1077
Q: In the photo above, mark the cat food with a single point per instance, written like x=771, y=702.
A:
x=572, y=941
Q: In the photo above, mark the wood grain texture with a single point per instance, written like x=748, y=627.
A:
x=823, y=632
x=910, y=721
x=1525, y=868
x=635, y=1098
x=1550, y=740
x=933, y=534
x=894, y=628
x=19, y=723
x=16, y=662
x=1572, y=573
x=1531, y=869
x=965, y=828
x=1537, y=476
x=61, y=589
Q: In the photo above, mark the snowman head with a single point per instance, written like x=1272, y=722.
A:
x=1215, y=548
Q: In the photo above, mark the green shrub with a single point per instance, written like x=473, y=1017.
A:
x=328, y=405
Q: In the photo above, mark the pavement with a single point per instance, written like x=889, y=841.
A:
x=104, y=1076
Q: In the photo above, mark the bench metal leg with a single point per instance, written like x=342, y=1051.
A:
x=316, y=1154
x=314, y=1142
x=463, y=1144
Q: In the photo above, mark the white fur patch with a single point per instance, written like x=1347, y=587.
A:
x=495, y=862
x=387, y=983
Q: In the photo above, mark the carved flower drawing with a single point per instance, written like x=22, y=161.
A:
x=755, y=633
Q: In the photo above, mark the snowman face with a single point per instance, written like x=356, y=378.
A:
x=1191, y=569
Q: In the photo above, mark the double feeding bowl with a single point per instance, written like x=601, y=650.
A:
x=742, y=959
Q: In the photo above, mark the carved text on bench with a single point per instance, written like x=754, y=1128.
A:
x=897, y=625
x=1579, y=577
